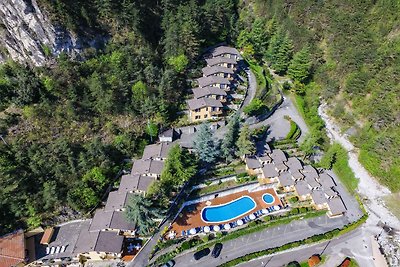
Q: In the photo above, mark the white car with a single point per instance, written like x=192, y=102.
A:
x=169, y=264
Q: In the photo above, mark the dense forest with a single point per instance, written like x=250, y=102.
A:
x=67, y=128
x=356, y=65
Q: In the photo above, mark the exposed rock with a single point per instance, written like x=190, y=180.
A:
x=27, y=34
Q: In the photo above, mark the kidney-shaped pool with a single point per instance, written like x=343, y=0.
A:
x=228, y=211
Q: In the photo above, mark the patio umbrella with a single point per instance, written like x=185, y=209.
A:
x=192, y=231
x=227, y=226
x=264, y=211
x=252, y=216
x=171, y=235
x=239, y=222
x=207, y=229
x=216, y=228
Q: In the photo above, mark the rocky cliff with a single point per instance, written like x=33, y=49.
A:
x=27, y=34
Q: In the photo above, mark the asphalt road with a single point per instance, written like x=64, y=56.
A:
x=279, y=125
x=355, y=244
x=269, y=238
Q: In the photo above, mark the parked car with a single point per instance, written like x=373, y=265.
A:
x=169, y=264
x=200, y=254
x=217, y=250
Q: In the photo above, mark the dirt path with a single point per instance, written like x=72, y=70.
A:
x=371, y=191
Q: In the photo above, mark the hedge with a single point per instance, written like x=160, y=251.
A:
x=312, y=239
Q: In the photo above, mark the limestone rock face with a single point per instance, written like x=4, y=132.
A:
x=28, y=35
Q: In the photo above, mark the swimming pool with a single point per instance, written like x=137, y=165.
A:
x=228, y=211
x=268, y=198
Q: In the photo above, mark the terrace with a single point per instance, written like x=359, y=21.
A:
x=191, y=216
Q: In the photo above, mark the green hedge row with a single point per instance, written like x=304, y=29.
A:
x=312, y=239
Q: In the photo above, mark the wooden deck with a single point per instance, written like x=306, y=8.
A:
x=190, y=217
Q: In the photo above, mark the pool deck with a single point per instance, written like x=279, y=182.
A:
x=192, y=218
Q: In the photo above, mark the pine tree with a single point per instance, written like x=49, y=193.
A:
x=284, y=55
x=205, y=145
x=228, y=146
x=300, y=66
x=244, y=144
x=259, y=36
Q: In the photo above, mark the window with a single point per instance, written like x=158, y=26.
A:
x=214, y=109
x=197, y=110
x=197, y=117
x=205, y=116
x=206, y=108
x=223, y=86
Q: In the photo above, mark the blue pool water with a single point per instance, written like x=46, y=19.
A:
x=228, y=211
x=268, y=198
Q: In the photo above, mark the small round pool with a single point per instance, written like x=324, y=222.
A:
x=268, y=198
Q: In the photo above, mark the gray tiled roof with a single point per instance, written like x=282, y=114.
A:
x=156, y=151
x=281, y=166
x=294, y=164
x=86, y=241
x=310, y=179
x=265, y=158
x=330, y=193
x=269, y=170
x=147, y=166
x=252, y=163
x=336, y=206
x=134, y=182
x=285, y=179
x=220, y=50
x=109, y=241
x=203, y=102
x=210, y=70
x=296, y=174
x=318, y=197
x=210, y=80
x=326, y=180
x=116, y=200
x=278, y=156
x=101, y=220
x=207, y=91
x=218, y=60
x=310, y=170
x=118, y=221
x=302, y=188
x=172, y=133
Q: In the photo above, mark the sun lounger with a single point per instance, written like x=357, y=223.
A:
x=183, y=233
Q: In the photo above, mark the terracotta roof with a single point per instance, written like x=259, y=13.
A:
x=314, y=260
x=48, y=233
x=12, y=249
x=203, y=102
x=210, y=80
x=211, y=70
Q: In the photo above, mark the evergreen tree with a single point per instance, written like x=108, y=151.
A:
x=280, y=52
x=259, y=36
x=228, y=145
x=204, y=143
x=284, y=55
x=244, y=143
x=141, y=212
x=300, y=66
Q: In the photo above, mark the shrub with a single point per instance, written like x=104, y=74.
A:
x=185, y=245
x=255, y=107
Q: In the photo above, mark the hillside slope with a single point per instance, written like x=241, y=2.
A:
x=355, y=48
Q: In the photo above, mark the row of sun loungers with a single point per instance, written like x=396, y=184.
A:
x=217, y=228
